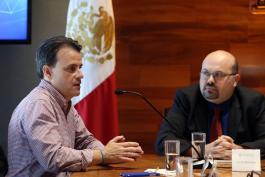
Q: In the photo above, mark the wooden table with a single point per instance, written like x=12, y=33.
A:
x=147, y=161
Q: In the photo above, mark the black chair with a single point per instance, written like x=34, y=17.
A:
x=3, y=163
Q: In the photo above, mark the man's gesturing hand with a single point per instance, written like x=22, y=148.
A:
x=118, y=151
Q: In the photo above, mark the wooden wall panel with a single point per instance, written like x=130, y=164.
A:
x=165, y=76
x=256, y=32
x=160, y=47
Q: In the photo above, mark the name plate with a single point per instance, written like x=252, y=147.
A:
x=246, y=160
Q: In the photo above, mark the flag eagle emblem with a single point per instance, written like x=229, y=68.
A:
x=95, y=32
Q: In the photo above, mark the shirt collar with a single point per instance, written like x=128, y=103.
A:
x=57, y=95
x=223, y=106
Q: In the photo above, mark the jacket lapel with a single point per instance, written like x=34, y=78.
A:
x=234, y=117
x=201, y=116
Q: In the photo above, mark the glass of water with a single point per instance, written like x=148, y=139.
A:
x=171, y=152
x=198, y=141
x=184, y=167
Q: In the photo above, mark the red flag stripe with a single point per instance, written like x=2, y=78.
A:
x=101, y=104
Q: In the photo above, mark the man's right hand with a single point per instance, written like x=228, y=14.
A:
x=118, y=151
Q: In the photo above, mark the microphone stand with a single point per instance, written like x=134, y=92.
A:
x=120, y=92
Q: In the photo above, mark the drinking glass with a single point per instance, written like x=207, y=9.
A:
x=171, y=152
x=184, y=167
x=198, y=141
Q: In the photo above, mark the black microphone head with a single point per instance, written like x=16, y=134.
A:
x=119, y=92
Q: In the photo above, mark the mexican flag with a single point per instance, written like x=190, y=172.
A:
x=91, y=22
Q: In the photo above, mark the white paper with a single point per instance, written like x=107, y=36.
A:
x=246, y=160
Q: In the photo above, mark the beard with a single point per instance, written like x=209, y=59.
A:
x=210, y=92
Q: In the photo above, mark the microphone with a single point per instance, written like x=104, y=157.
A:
x=121, y=92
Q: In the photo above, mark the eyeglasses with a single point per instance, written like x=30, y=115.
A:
x=217, y=75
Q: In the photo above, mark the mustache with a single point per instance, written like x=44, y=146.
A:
x=209, y=85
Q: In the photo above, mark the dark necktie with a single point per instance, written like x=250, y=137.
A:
x=216, y=127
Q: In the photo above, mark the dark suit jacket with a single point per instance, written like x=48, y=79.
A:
x=189, y=113
x=3, y=162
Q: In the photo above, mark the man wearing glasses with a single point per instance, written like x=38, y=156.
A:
x=232, y=116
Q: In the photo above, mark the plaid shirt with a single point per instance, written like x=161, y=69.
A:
x=47, y=137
